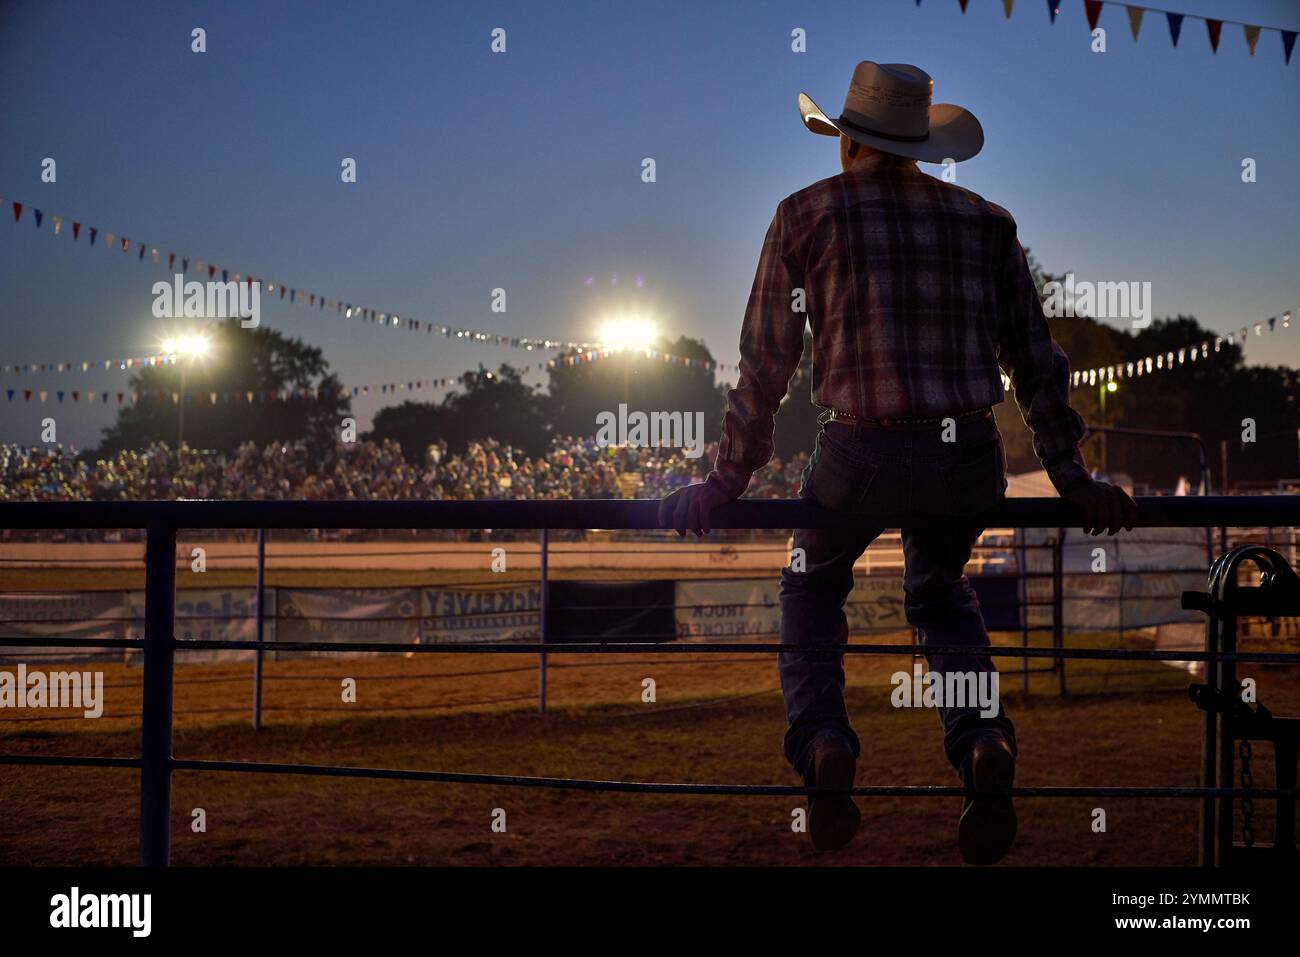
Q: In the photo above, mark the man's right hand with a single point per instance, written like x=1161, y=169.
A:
x=1105, y=507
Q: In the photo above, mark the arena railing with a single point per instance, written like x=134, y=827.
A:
x=162, y=519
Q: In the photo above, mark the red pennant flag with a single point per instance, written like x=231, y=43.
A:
x=963, y=5
x=212, y=271
x=75, y=395
x=76, y=231
x=1252, y=36
x=1093, y=9
x=18, y=211
x=27, y=395
x=119, y=398
x=171, y=260
x=1214, y=26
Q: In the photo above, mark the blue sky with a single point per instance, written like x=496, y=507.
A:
x=522, y=170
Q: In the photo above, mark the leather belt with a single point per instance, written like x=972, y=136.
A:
x=848, y=418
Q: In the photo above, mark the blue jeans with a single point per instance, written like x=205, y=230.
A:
x=908, y=473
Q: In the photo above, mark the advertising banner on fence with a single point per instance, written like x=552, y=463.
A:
x=1132, y=581
x=750, y=608
x=503, y=613
x=210, y=614
x=63, y=614
x=388, y=615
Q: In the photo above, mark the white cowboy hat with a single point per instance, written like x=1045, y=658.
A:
x=888, y=108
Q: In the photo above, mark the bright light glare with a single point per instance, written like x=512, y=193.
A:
x=628, y=333
x=190, y=347
x=1112, y=386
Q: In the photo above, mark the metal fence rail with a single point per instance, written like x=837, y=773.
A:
x=162, y=519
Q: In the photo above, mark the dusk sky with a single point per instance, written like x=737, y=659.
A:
x=522, y=170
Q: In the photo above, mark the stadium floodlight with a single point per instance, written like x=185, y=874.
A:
x=191, y=348
x=187, y=347
x=628, y=332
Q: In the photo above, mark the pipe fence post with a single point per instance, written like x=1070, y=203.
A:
x=1058, y=603
x=261, y=620
x=156, y=718
x=544, y=620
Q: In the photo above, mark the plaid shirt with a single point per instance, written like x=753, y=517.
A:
x=918, y=292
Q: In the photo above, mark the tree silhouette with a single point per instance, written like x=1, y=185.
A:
x=218, y=413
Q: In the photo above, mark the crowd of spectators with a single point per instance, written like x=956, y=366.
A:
x=573, y=468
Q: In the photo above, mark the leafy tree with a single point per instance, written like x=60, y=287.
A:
x=579, y=392
x=261, y=361
x=497, y=405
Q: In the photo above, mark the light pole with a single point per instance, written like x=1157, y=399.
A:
x=185, y=351
x=1103, y=388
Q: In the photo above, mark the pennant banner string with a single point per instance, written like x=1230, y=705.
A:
x=1213, y=25
x=198, y=270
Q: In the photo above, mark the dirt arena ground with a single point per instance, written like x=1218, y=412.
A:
x=713, y=721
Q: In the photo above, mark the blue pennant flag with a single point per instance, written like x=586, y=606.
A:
x=1175, y=25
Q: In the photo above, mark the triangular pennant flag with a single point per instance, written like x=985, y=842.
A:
x=108, y=240
x=76, y=231
x=1288, y=42
x=93, y=233
x=39, y=217
x=962, y=3
x=171, y=260
x=58, y=224
x=1135, y=20
x=1252, y=36
x=126, y=245
x=1213, y=27
x=141, y=256
x=1007, y=5
x=1093, y=10
x=1175, y=25
x=212, y=271
x=1053, y=8
x=18, y=211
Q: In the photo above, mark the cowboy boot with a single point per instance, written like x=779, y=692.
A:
x=987, y=826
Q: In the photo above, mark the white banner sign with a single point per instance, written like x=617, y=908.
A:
x=750, y=608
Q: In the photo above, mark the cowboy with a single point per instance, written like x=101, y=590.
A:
x=919, y=297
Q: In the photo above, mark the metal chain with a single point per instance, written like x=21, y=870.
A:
x=1247, y=804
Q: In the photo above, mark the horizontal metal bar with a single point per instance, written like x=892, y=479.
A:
x=629, y=647
x=653, y=787
x=1163, y=511
x=68, y=760
x=46, y=641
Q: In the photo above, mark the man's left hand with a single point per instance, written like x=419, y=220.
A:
x=689, y=508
